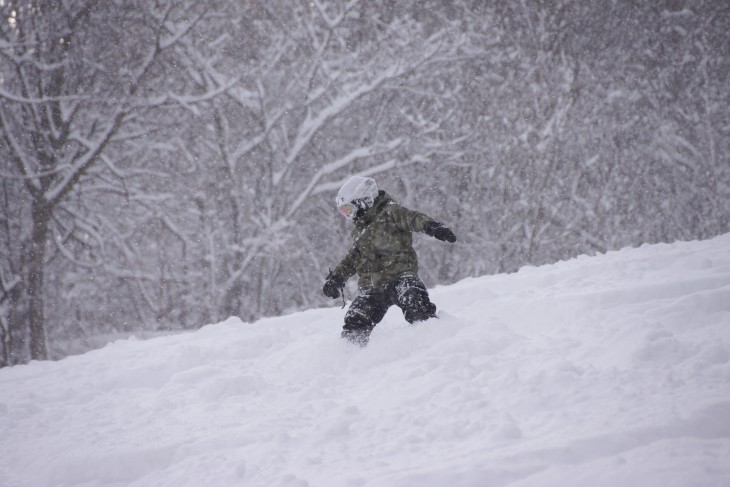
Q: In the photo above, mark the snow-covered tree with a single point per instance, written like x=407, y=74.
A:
x=78, y=79
x=167, y=164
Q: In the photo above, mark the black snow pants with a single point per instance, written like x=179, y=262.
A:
x=370, y=305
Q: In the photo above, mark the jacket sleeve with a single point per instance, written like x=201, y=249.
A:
x=410, y=220
x=348, y=265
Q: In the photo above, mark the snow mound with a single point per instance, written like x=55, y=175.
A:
x=603, y=371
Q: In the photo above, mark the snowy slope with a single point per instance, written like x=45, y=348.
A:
x=604, y=371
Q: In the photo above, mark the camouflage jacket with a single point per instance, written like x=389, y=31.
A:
x=383, y=244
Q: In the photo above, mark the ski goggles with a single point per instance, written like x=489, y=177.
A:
x=347, y=210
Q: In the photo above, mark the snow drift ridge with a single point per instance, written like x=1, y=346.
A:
x=608, y=370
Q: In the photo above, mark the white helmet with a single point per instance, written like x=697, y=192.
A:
x=358, y=193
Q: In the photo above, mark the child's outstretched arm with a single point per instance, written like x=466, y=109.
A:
x=420, y=222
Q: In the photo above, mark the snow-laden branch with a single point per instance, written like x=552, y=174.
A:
x=252, y=247
x=132, y=173
x=41, y=100
x=18, y=155
x=312, y=124
x=348, y=159
x=181, y=30
x=70, y=257
x=249, y=145
x=8, y=50
x=36, y=175
x=187, y=101
x=7, y=285
x=94, y=149
x=331, y=22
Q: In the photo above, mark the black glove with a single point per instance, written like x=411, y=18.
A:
x=439, y=231
x=332, y=286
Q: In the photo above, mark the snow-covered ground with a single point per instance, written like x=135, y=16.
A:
x=603, y=371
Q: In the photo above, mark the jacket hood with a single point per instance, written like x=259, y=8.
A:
x=381, y=201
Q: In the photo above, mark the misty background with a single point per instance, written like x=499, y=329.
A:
x=168, y=164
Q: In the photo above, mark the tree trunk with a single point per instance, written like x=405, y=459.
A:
x=15, y=333
x=36, y=263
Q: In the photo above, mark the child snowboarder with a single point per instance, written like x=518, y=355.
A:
x=383, y=258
